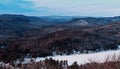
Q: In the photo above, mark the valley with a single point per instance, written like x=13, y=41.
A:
x=29, y=36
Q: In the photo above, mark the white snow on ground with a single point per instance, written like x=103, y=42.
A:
x=118, y=46
x=99, y=57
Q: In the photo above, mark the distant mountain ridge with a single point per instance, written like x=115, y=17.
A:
x=53, y=20
x=10, y=23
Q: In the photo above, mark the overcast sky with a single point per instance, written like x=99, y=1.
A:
x=61, y=7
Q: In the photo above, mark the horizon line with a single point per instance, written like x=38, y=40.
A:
x=56, y=15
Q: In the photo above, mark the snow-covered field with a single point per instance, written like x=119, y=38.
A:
x=99, y=57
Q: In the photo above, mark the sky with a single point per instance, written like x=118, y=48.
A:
x=61, y=7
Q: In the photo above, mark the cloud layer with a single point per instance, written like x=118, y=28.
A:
x=62, y=7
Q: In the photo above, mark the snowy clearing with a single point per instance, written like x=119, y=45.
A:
x=99, y=57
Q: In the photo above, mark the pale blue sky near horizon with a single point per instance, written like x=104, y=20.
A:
x=61, y=7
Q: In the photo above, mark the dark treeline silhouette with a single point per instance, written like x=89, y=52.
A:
x=55, y=64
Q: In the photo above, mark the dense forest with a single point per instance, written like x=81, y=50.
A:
x=62, y=42
x=22, y=35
